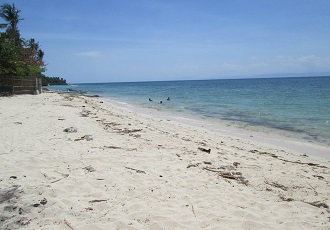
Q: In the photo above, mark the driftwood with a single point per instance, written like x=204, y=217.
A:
x=89, y=168
x=136, y=170
x=128, y=130
x=294, y=162
x=112, y=147
x=205, y=150
x=64, y=176
x=193, y=210
x=96, y=201
x=277, y=185
x=318, y=204
x=229, y=175
x=68, y=224
x=193, y=165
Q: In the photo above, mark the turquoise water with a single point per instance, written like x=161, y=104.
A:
x=296, y=107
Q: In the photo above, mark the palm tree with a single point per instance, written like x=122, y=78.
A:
x=11, y=15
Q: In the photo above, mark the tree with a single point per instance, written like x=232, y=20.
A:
x=12, y=16
x=18, y=57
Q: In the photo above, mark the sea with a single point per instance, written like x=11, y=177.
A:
x=297, y=107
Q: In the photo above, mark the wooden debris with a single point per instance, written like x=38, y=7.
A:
x=294, y=162
x=319, y=177
x=70, y=130
x=277, y=185
x=136, y=170
x=318, y=204
x=89, y=168
x=205, y=150
x=125, y=130
x=193, y=210
x=212, y=170
x=43, y=201
x=286, y=199
x=236, y=164
x=229, y=175
x=193, y=165
x=112, y=147
x=86, y=137
x=64, y=176
x=96, y=201
x=68, y=224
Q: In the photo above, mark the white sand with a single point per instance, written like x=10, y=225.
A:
x=146, y=173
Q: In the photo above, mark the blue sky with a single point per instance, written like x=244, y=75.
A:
x=142, y=40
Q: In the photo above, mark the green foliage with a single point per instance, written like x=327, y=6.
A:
x=18, y=56
x=52, y=81
x=10, y=58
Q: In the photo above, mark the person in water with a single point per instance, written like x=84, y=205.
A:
x=161, y=102
x=168, y=99
x=150, y=99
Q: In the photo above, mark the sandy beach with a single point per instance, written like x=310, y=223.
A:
x=78, y=162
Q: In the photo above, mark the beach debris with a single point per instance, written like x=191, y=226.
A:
x=193, y=210
x=205, y=150
x=89, y=168
x=18, y=123
x=193, y=165
x=125, y=130
x=13, y=177
x=43, y=201
x=136, y=170
x=236, y=164
x=112, y=147
x=24, y=221
x=89, y=209
x=86, y=137
x=286, y=199
x=68, y=224
x=319, y=177
x=96, y=201
x=318, y=204
x=294, y=162
x=64, y=176
x=229, y=175
x=70, y=130
x=277, y=185
x=85, y=113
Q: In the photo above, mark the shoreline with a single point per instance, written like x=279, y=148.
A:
x=141, y=172
x=298, y=145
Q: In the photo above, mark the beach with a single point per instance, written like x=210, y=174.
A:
x=79, y=162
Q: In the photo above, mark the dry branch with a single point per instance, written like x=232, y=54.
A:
x=68, y=224
x=95, y=201
x=136, y=170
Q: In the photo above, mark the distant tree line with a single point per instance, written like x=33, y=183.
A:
x=19, y=57
x=52, y=81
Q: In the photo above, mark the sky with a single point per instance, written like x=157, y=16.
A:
x=152, y=40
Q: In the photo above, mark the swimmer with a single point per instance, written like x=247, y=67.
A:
x=150, y=99
x=168, y=99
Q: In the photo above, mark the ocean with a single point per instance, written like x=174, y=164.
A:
x=296, y=107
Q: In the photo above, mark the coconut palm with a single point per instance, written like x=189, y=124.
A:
x=11, y=15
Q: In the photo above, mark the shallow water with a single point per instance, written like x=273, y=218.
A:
x=294, y=107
